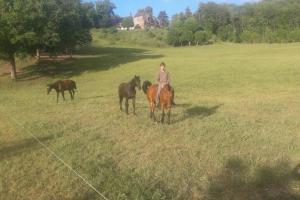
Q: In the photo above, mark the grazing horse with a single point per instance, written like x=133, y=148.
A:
x=165, y=99
x=60, y=87
x=127, y=91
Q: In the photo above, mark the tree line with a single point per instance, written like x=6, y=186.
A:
x=59, y=26
x=265, y=21
x=54, y=26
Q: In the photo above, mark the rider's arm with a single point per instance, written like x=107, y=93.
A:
x=158, y=78
x=168, y=79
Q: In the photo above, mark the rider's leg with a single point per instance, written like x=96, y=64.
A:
x=158, y=93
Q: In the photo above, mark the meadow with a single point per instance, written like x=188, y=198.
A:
x=234, y=133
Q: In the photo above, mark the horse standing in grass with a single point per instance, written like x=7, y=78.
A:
x=60, y=87
x=127, y=91
x=165, y=99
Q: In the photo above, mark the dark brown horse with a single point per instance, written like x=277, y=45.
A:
x=165, y=99
x=60, y=87
x=127, y=91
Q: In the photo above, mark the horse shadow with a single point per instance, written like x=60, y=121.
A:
x=196, y=112
x=19, y=148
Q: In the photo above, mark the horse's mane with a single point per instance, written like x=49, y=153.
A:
x=51, y=85
x=146, y=85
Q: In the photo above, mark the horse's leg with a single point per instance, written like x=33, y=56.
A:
x=126, y=106
x=133, y=105
x=63, y=95
x=121, y=101
x=169, y=115
x=71, y=94
x=57, y=95
x=152, y=110
x=173, y=96
x=163, y=115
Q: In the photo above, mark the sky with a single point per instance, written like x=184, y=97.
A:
x=125, y=7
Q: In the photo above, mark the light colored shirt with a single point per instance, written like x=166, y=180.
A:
x=163, y=78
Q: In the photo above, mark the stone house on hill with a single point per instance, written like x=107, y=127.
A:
x=139, y=21
x=144, y=20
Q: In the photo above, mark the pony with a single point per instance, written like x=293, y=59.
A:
x=127, y=91
x=60, y=86
x=166, y=99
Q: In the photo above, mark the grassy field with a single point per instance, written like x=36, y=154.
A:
x=234, y=133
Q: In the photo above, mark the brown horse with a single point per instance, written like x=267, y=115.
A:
x=165, y=99
x=60, y=87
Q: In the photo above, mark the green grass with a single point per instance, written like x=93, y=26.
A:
x=234, y=133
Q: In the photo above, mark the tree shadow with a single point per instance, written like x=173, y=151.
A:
x=196, y=112
x=87, y=60
x=236, y=181
x=19, y=148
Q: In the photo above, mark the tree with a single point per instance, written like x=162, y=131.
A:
x=188, y=13
x=186, y=37
x=73, y=26
x=91, y=14
x=16, y=35
x=104, y=13
x=127, y=22
x=201, y=37
x=53, y=25
x=237, y=29
x=163, y=19
x=191, y=24
x=212, y=16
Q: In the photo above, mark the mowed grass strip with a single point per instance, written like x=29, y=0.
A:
x=234, y=131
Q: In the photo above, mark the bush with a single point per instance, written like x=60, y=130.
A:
x=173, y=37
x=202, y=37
x=294, y=36
x=250, y=37
x=226, y=33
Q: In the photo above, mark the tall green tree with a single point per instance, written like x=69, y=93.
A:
x=212, y=16
x=51, y=25
x=188, y=13
x=163, y=19
x=127, y=22
x=191, y=24
x=104, y=13
x=73, y=25
x=16, y=34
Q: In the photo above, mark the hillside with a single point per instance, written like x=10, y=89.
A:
x=146, y=38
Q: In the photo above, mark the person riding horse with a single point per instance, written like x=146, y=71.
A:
x=163, y=78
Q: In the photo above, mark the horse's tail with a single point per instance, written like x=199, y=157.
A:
x=146, y=85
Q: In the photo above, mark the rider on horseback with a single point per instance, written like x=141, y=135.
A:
x=163, y=78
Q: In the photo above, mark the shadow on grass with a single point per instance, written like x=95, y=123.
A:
x=115, y=183
x=87, y=60
x=200, y=111
x=236, y=181
x=19, y=148
x=195, y=112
